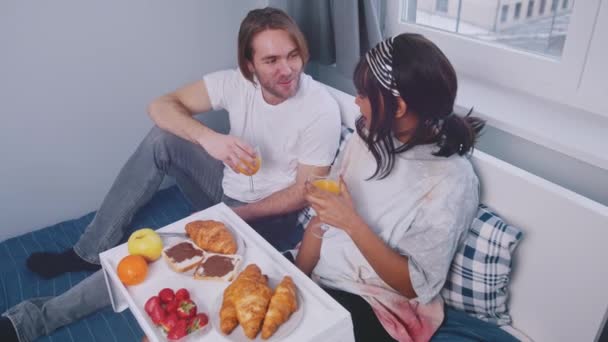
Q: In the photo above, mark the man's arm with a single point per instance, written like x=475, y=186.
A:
x=284, y=201
x=174, y=113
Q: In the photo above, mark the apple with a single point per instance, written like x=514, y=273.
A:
x=145, y=242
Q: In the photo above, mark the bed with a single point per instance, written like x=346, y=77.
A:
x=557, y=291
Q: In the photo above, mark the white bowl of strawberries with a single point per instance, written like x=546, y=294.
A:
x=177, y=314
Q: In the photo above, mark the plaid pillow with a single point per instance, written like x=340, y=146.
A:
x=480, y=273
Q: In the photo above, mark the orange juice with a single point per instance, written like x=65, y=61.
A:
x=255, y=167
x=327, y=185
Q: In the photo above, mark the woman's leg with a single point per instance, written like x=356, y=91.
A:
x=366, y=325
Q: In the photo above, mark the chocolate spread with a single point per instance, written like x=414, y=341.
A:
x=183, y=251
x=217, y=266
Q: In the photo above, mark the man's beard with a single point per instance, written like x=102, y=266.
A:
x=275, y=90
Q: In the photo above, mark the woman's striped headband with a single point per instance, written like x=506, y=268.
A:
x=380, y=61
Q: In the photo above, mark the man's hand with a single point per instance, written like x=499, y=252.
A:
x=229, y=149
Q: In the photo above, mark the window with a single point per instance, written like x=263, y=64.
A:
x=565, y=4
x=544, y=55
x=442, y=6
x=479, y=20
x=541, y=9
x=530, y=8
x=504, y=13
x=553, y=5
x=517, y=11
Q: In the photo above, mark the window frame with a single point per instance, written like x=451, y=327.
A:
x=547, y=77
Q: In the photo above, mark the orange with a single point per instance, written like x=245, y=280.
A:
x=132, y=269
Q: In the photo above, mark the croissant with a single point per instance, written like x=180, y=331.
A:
x=245, y=301
x=212, y=236
x=282, y=304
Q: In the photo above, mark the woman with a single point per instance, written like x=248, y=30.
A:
x=408, y=193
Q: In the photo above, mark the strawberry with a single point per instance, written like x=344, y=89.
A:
x=169, y=322
x=157, y=314
x=151, y=303
x=198, y=322
x=154, y=309
x=186, y=309
x=182, y=294
x=166, y=295
x=178, y=331
x=171, y=306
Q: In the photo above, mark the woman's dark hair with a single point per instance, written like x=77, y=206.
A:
x=427, y=83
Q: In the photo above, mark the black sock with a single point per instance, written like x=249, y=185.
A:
x=50, y=265
x=7, y=331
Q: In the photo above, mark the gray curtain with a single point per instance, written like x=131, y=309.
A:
x=338, y=31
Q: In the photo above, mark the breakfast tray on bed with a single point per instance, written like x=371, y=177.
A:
x=320, y=317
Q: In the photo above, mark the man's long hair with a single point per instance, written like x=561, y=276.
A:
x=259, y=20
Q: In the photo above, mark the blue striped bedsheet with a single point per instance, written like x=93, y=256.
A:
x=18, y=283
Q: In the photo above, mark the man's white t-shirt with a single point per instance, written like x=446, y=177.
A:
x=304, y=129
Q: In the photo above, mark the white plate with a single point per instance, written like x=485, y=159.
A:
x=172, y=238
x=195, y=336
x=240, y=243
x=284, y=330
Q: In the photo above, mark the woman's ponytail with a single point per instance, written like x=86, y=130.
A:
x=458, y=134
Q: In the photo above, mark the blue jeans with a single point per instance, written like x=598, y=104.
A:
x=458, y=326
x=199, y=177
x=40, y=316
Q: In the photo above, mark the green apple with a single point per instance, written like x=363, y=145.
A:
x=145, y=242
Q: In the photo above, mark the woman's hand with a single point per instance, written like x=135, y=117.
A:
x=314, y=227
x=335, y=210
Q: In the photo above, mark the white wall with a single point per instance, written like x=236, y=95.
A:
x=75, y=80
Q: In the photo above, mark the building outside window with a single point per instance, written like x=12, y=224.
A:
x=489, y=21
x=553, y=5
x=442, y=6
x=541, y=9
x=504, y=13
x=530, y=9
x=517, y=13
x=565, y=4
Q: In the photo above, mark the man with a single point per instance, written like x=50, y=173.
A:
x=271, y=104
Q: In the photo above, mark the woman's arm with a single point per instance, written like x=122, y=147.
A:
x=391, y=266
x=310, y=249
x=339, y=211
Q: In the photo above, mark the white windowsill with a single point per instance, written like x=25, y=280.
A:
x=574, y=132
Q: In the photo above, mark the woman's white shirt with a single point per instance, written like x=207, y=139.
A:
x=421, y=210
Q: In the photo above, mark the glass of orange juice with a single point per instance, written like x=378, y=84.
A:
x=327, y=183
x=249, y=169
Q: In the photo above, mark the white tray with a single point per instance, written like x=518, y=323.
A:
x=323, y=320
